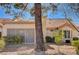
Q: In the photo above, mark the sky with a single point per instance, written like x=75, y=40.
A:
x=58, y=14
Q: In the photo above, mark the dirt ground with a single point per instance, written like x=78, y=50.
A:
x=52, y=49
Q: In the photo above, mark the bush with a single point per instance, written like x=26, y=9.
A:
x=10, y=40
x=58, y=36
x=58, y=40
x=75, y=38
x=2, y=43
x=75, y=42
x=18, y=39
x=48, y=39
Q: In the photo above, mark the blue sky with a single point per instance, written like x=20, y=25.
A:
x=59, y=14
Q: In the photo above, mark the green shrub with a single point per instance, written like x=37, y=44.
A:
x=10, y=40
x=58, y=36
x=18, y=39
x=58, y=40
x=75, y=42
x=75, y=38
x=49, y=39
x=2, y=43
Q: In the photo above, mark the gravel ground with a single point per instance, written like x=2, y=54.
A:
x=62, y=50
x=52, y=49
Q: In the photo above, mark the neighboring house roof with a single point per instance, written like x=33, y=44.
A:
x=50, y=23
x=53, y=24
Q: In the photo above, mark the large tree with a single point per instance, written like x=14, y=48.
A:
x=38, y=24
x=37, y=11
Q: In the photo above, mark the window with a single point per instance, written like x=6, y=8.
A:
x=66, y=34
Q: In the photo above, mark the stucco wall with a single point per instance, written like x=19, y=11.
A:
x=32, y=26
x=16, y=26
x=20, y=26
x=73, y=31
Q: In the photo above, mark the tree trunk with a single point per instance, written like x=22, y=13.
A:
x=38, y=26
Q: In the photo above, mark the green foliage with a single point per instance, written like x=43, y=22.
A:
x=58, y=39
x=2, y=43
x=75, y=38
x=10, y=40
x=75, y=42
x=18, y=39
x=58, y=36
x=18, y=5
x=49, y=39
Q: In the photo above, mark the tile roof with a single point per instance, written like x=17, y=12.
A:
x=55, y=23
x=50, y=23
x=12, y=21
x=58, y=23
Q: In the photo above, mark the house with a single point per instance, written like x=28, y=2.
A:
x=10, y=27
x=69, y=29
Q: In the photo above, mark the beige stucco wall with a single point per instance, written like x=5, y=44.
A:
x=16, y=26
x=73, y=31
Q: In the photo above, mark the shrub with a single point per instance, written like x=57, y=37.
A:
x=18, y=39
x=10, y=40
x=75, y=42
x=48, y=39
x=58, y=40
x=2, y=43
x=75, y=38
x=58, y=36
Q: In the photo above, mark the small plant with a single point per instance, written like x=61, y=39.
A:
x=10, y=40
x=75, y=38
x=58, y=40
x=18, y=39
x=75, y=42
x=49, y=39
x=2, y=43
x=58, y=36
